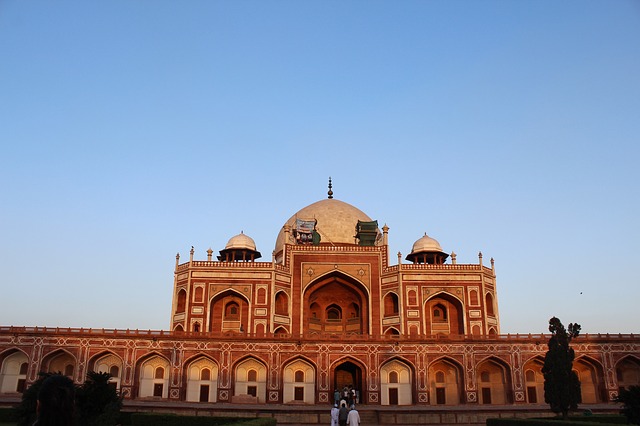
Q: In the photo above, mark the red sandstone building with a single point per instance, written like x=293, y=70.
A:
x=328, y=310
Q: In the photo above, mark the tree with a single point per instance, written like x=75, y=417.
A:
x=98, y=402
x=561, y=383
x=630, y=399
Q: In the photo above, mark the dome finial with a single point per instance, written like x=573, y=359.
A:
x=330, y=193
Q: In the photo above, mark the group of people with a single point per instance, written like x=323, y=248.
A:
x=340, y=414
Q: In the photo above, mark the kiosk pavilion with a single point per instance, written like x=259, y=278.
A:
x=327, y=311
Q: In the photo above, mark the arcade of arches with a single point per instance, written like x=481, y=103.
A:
x=331, y=308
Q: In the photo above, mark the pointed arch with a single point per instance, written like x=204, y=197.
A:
x=250, y=378
x=14, y=367
x=299, y=381
x=591, y=375
x=152, y=373
x=445, y=379
x=181, y=302
x=281, y=331
x=391, y=304
x=534, y=380
x=201, y=373
x=392, y=331
x=444, y=314
x=108, y=362
x=60, y=361
x=489, y=304
x=340, y=304
x=348, y=370
x=628, y=371
x=396, y=382
x=282, y=303
x=228, y=312
x=493, y=377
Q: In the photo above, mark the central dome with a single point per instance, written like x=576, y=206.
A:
x=336, y=222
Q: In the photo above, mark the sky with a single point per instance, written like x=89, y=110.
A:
x=133, y=130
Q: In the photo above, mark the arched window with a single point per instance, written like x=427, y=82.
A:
x=159, y=373
x=182, y=301
x=299, y=376
x=262, y=296
x=393, y=377
x=489, y=303
x=282, y=303
x=334, y=313
x=198, y=294
x=413, y=299
x=205, y=374
x=439, y=377
x=23, y=368
x=391, y=304
x=473, y=298
x=68, y=370
x=196, y=327
x=530, y=376
x=485, y=377
x=232, y=311
x=252, y=376
x=392, y=332
x=439, y=313
x=114, y=371
x=355, y=310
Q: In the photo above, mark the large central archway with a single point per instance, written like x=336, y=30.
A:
x=336, y=304
x=349, y=374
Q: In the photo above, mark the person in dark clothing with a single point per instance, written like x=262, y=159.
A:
x=343, y=414
x=56, y=402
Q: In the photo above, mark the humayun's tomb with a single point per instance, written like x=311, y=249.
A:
x=328, y=310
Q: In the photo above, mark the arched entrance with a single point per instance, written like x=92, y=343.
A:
x=228, y=312
x=348, y=374
x=444, y=315
x=336, y=304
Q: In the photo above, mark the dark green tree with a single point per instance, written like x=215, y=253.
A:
x=97, y=401
x=630, y=399
x=561, y=383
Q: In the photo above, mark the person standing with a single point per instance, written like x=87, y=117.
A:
x=343, y=414
x=334, y=414
x=353, y=419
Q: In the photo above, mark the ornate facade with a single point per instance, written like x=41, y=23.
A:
x=328, y=310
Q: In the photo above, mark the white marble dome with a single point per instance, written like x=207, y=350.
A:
x=241, y=242
x=426, y=244
x=336, y=222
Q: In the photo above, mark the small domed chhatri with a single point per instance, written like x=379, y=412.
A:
x=427, y=250
x=240, y=248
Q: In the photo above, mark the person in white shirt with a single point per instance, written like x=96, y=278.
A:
x=334, y=415
x=354, y=417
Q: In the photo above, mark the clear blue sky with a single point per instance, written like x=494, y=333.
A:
x=132, y=130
